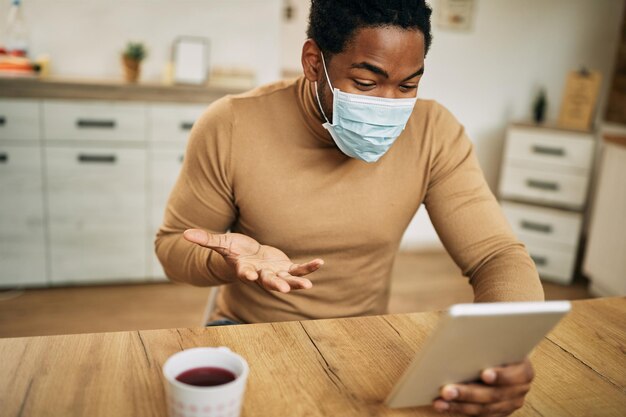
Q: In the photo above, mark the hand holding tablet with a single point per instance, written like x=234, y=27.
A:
x=470, y=339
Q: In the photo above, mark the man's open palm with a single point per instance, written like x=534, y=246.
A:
x=267, y=266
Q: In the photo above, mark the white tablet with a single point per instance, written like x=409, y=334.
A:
x=470, y=338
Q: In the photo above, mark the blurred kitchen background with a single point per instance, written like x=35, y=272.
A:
x=88, y=155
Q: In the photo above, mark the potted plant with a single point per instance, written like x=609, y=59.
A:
x=132, y=56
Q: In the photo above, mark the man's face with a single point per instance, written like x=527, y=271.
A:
x=383, y=62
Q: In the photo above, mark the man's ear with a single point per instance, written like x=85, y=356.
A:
x=311, y=60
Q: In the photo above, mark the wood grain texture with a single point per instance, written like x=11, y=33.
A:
x=339, y=367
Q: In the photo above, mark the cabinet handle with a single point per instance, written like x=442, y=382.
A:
x=186, y=125
x=547, y=150
x=536, y=227
x=100, y=124
x=100, y=159
x=539, y=260
x=4, y=158
x=3, y=120
x=543, y=185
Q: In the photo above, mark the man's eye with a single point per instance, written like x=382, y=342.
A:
x=408, y=87
x=364, y=85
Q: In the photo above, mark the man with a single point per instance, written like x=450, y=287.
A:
x=335, y=164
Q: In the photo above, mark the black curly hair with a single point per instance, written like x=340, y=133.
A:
x=333, y=23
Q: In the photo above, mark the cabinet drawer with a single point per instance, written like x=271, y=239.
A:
x=567, y=190
x=94, y=121
x=97, y=207
x=165, y=166
x=172, y=123
x=552, y=264
x=22, y=240
x=19, y=119
x=565, y=149
x=542, y=223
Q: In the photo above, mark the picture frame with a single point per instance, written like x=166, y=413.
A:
x=190, y=58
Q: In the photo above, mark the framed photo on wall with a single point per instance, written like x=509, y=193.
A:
x=455, y=14
x=190, y=57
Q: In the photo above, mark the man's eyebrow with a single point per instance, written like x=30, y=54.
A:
x=377, y=70
x=415, y=74
x=370, y=67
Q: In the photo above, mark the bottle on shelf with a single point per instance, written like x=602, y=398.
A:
x=16, y=34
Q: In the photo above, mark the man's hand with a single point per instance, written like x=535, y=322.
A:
x=253, y=262
x=501, y=393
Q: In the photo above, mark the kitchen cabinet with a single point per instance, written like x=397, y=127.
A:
x=543, y=192
x=605, y=258
x=22, y=238
x=84, y=184
x=97, y=207
x=22, y=219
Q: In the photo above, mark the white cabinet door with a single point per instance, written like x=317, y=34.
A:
x=605, y=260
x=173, y=122
x=87, y=120
x=19, y=119
x=97, y=206
x=165, y=166
x=22, y=241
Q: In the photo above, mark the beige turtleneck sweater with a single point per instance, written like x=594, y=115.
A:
x=261, y=164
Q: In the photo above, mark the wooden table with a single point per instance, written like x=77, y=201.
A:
x=342, y=367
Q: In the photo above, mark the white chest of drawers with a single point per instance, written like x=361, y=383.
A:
x=543, y=190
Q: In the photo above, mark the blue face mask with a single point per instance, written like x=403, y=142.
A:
x=365, y=127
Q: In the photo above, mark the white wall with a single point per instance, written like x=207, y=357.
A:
x=489, y=76
x=85, y=37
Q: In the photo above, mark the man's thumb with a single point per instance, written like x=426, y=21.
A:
x=202, y=238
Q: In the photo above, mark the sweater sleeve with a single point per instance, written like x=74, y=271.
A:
x=202, y=198
x=470, y=223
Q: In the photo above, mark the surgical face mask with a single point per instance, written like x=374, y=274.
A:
x=365, y=127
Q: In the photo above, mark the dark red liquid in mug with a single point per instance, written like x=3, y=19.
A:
x=206, y=376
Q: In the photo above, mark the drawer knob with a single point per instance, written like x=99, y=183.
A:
x=98, y=159
x=543, y=185
x=186, y=125
x=4, y=158
x=99, y=124
x=548, y=150
x=3, y=120
x=539, y=260
x=536, y=227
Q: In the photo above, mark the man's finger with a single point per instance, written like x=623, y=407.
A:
x=247, y=272
x=473, y=409
x=295, y=283
x=272, y=282
x=299, y=270
x=513, y=374
x=483, y=394
x=218, y=242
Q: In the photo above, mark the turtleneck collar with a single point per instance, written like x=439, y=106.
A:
x=311, y=112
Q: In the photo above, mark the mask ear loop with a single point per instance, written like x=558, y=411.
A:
x=319, y=103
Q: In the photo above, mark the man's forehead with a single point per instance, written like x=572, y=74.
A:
x=388, y=47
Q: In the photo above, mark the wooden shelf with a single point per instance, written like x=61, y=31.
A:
x=88, y=89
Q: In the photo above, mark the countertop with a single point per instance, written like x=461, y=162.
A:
x=88, y=89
